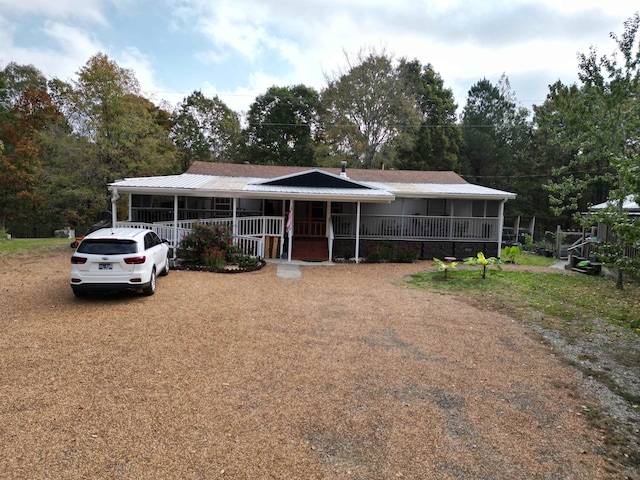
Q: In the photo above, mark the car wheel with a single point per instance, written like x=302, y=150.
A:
x=165, y=270
x=151, y=289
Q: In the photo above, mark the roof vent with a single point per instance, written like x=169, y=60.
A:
x=343, y=169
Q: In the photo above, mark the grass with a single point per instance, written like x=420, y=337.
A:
x=529, y=259
x=21, y=246
x=563, y=300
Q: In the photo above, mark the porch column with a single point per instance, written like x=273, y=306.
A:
x=234, y=221
x=130, y=217
x=500, y=224
x=175, y=226
x=114, y=206
x=289, y=228
x=283, y=214
x=357, y=249
x=451, y=220
x=330, y=233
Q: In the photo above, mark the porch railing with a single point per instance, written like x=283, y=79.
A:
x=251, y=231
x=416, y=227
x=249, y=235
x=165, y=214
x=256, y=226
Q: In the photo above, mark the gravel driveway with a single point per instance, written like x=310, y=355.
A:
x=344, y=373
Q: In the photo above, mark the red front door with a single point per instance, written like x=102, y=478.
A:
x=310, y=219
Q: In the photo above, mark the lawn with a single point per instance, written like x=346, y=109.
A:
x=566, y=298
x=20, y=246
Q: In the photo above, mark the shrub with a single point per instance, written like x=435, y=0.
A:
x=244, y=261
x=205, y=243
x=484, y=262
x=214, y=258
x=388, y=251
x=445, y=266
x=510, y=253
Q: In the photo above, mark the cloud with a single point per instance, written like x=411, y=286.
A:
x=67, y=47
x=87, y=10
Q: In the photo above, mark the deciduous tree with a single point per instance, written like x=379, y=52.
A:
x=283, y=125
x=367, y=108
x=205, y=129
x=602, y=118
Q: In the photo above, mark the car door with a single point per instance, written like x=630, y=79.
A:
x=153, y=245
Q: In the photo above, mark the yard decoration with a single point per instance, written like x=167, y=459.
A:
x=485, y=262
x=445, y=266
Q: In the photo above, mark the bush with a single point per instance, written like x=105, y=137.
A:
x=244, y=261
x=388, y=251
x=205, y=245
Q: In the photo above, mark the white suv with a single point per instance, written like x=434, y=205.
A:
x=112, y=259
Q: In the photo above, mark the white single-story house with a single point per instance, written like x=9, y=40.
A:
x=315, y=214
x=629, y=206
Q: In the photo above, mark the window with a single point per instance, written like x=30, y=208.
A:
x=151, y=240
x=107, y=247
x=477, y=209
x=436, y=207
x=221, y=203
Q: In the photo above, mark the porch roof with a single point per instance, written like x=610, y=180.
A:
x=446, y=190
x=630, y=204
x=257, y=181
x=189, y=184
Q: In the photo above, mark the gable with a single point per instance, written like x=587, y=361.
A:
x=314, y=179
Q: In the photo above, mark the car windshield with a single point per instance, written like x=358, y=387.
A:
x=107, y=246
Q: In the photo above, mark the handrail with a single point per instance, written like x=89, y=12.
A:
x=576, y=245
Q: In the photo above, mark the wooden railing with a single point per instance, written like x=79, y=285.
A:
x=415, y=227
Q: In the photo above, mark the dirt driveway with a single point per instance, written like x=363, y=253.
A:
x=344, y=373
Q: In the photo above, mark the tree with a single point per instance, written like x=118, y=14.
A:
x=106, y=107
x=17, y=79
x=21, y=164
x=494, y=131
x=603, y=120
x=282, y=126
x=435, y=142
x=576, y=181
x=205, y=129
x=497, y=150
x=366, y=109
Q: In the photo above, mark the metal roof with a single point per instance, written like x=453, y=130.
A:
x=629, y=204
x=446, y=190
x=191, y=184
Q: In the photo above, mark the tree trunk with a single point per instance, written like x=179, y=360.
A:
x=619, y=284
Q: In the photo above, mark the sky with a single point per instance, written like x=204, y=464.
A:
x=237, y=49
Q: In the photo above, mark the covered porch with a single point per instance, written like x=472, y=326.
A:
x=287, y=216
x=303, y=222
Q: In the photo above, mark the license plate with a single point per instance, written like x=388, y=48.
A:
x=105, y=266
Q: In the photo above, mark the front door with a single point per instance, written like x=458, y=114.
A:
x=310, y=219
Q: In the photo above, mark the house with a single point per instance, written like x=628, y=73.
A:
x=629, y=206
x=316, y=214
x=591, y=243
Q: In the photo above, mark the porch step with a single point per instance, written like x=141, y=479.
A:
x=593, y=269
x=310, y=250
x=590, y=267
